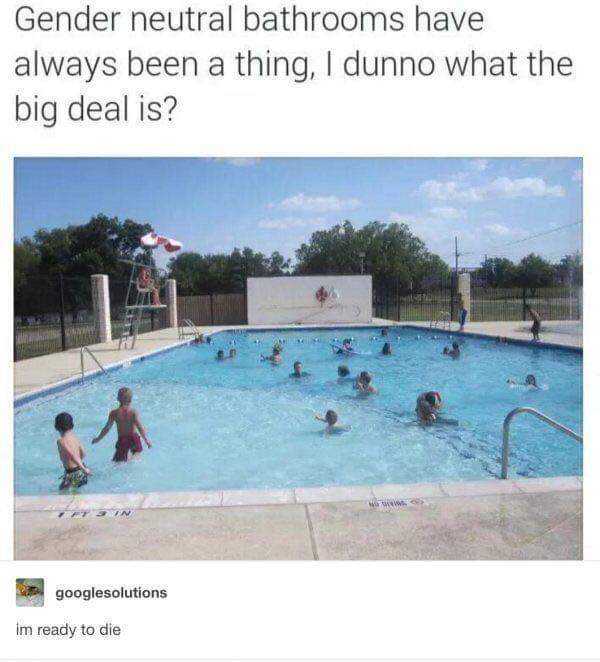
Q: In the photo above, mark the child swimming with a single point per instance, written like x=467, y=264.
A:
x=343, y=372
x=346, y=347
x=331, y=418
x=221, y=354
x=428, y=405
x=71, y=453
x=298, y=372
x=454, y=352
x=275, y=357
x=127, y=420
x=364, y=384
x=386, y=349
x=530, y=381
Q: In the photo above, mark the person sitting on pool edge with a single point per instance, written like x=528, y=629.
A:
x=71, y=453
x=331, y=418
x=454, y=352
x=275, y=357
x=298, y=372
x=127, y=420
x=386, y=349
x=428, y=404
x=530, y=381
x=364, y=384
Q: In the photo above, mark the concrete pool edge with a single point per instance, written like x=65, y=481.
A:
x=378, y=494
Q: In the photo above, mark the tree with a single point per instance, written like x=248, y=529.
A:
x=391, y=253
x=535, y=272
x=570, y=269
x=219, y=272
x=497, y=272
x=74, y=253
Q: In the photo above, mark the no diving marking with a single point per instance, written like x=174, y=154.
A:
x=396, y=503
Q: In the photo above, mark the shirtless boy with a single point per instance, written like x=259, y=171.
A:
x=127, y=420
x=71, y=453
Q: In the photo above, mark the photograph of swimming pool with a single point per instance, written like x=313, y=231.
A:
x=246, y=424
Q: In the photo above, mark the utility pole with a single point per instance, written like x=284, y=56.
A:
x=456, y=256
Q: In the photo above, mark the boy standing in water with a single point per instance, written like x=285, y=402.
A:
x=71, y=453
x=127, y=420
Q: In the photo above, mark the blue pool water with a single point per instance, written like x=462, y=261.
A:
x=245, y=424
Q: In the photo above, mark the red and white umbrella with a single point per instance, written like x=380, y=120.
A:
x=153, y=240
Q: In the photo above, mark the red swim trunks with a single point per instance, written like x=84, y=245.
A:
x=129, y=442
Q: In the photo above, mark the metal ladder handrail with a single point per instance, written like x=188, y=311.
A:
x=89, y=351
x=534, y=412
x=187, y=322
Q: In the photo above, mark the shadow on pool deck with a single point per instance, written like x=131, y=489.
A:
x=502, y=526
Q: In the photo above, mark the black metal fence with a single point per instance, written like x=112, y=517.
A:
x=429, y=301
x=57, y=316
x=213, y=309
x=488, y=304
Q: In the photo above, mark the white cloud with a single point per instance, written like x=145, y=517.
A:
x=320, y=203
x=289, y=223
x=501, y=187
x=448, y=213
x=498, y=229
x=239, y=161
x=578, y=176
x=480, y=165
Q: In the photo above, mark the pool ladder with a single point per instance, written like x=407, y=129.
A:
x=87, y=350
x=188, y=328
x=534, y=412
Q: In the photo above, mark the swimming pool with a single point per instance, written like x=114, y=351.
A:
x=245, y=424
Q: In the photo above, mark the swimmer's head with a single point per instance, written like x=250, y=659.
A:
x=220, y=355
x=387, y=348
x=384, y=331
x=454, y=345
x=446, y=350
x=297, y=368
x=63, y=422
x=365, y=377
x=276, y=351
x=343, y=371
x=530, y=380
x=232, y=353
x=331, y=417
x=125, y=396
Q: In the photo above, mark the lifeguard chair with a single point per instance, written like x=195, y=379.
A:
x=143, y=289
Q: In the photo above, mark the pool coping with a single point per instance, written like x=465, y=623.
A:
x=380, y=495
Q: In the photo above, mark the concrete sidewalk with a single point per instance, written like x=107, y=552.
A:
x=536, y=525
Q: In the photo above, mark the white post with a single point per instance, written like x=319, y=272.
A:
x=101, y=303
x=464, y=288
x=171, y=301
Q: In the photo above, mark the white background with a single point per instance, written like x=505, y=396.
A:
x=358, y=609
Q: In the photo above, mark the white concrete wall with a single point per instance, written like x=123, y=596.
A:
x=101, y=304
x=292, y=300
x=171, y=301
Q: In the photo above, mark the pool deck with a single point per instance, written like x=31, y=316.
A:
x=491, y=519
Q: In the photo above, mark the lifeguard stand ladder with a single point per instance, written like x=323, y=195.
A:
x=133, y=312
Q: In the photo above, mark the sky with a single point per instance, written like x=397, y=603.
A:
x=211, y=205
